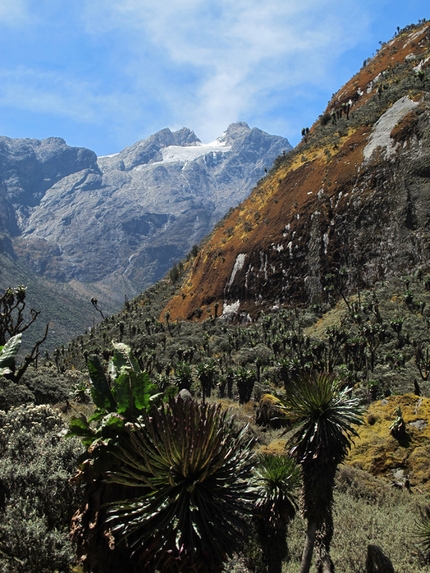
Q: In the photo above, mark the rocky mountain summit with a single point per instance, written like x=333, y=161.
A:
x=349, y=207
x=117, y=224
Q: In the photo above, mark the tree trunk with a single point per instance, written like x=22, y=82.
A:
x=274, y=546
x=325, y=564
x=309, y=547
x=324, y=536
x=97, y=550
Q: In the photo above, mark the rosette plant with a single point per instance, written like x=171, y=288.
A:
x=421, y=533
x=276, y=479
x=190, y=466
x=325, y=414
x=14, y=320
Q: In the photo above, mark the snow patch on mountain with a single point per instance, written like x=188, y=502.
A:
x=238, y=266
x=181, y=154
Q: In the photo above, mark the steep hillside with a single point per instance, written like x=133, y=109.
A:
x=67, y=313
x=348, y=207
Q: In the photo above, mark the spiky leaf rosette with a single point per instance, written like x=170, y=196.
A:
x=193, y=465
x=276, y=478
x=421, y=531
x=325, y=414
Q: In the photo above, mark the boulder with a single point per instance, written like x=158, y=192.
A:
x=377, y=562
x=270, y=412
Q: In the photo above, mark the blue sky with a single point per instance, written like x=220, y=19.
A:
x=103, y=74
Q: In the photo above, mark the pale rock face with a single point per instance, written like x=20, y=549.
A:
x=380, y=136
x=122, y=221
x=238, y=266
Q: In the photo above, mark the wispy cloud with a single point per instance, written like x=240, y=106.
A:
x=28, y=89
x=237, y=50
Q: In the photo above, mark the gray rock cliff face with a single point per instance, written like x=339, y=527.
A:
x=122, y=221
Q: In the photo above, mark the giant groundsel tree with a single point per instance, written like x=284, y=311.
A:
x=325, y=414
x=167, y=483
x=276, y=479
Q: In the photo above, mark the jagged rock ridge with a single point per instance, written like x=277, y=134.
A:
x=351, y=201
x=120, y=222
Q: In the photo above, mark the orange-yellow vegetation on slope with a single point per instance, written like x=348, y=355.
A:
x=381, y=66
x=379, y=453
x=327, y=164
x=259, y=222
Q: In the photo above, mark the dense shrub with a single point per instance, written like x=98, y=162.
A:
x=12, y=394
x=36, y=464
x=47, y=385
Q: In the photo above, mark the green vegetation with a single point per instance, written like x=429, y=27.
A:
x=37, y=500
x=276, y=480
x=125, y=427
x=13, y=323
x=169, y=482
x=192, y=467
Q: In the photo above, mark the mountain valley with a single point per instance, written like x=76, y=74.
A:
x=109, y=227
x=319, y=278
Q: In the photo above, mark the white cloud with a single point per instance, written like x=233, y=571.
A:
x=236, y=50
x=196, y=63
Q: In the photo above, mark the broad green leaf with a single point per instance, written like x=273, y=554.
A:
x=80, y=422
x=122, y=391
x=10, y=350
x=113, y=421
x=100, y=390
x=79, y=427
x=99, y=414
x=142, y=389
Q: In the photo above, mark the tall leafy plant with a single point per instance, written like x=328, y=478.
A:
x=7, y=354
x=121, y=393
x=276, y=479
x=14, y=320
